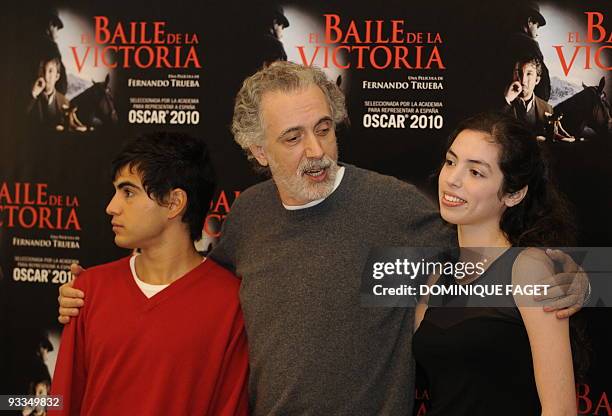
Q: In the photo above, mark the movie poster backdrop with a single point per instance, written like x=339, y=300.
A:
x=79, y=79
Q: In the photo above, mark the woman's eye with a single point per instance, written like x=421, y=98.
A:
x=449, y=162
x=476, y=173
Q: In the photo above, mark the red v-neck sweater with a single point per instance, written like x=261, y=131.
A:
x=181, y=352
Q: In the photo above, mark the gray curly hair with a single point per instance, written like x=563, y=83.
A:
x=247, y=125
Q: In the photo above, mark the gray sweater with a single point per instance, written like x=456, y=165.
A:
x=314, y=350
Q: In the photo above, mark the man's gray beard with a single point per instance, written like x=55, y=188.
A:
x=300, y=188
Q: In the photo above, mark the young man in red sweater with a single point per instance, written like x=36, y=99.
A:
x=161, y=332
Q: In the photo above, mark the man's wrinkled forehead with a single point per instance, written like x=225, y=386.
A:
x=294, y=102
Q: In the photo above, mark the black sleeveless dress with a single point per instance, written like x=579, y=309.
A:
x=478, y=360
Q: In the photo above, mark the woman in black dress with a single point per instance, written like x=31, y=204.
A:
x=513, y=360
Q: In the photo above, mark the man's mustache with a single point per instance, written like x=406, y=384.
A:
x=314, y=164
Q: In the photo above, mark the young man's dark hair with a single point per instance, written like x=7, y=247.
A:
x=167, y=161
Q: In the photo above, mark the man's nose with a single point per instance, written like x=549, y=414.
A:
x=313, y=148
x=113, y=207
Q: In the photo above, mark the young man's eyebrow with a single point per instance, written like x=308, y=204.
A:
x=124, y=184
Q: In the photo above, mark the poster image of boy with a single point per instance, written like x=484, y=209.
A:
x=47, y=106
x=523, y=102
x=522, y=44
x=162, y=331
x=51, y=23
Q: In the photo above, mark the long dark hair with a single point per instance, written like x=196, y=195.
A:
x=543, y=217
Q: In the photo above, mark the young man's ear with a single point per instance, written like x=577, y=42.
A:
x=260, y=154
x=538, y=80
x=515, y=198
x=177, y=202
